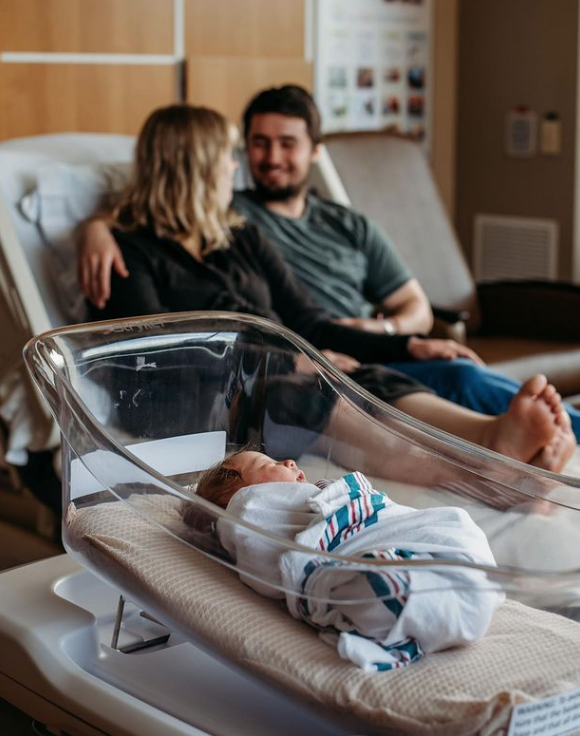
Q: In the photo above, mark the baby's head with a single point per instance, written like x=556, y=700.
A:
x=245, y=468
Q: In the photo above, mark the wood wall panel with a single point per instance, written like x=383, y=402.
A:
x=52, y=98
x=249, y=28
x=226, y=84
x=88, y=26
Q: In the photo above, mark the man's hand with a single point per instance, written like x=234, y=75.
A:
x=440, y=350
x=98, y=254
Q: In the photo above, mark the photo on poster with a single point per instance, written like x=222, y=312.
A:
x=338, y=77
x=364, y=110
x=365, y=77
x=416, y=106
x=391, y=105
x=392, y=75
x=416, y=77
x=337, y=106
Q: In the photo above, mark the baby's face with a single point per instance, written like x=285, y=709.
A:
x=255, y=467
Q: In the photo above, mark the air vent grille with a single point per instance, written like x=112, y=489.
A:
x=514, y=248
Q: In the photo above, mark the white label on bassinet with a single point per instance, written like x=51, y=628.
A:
x=555, y=716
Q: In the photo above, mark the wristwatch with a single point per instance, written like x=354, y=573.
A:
x=389, y=327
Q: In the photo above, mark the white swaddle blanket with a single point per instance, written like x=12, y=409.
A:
x=378, y=620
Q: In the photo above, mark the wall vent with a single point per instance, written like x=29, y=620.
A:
x=514, y=248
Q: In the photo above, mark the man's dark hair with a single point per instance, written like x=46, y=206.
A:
x=290, y=100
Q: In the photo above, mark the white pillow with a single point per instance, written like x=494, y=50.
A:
x=65, y=195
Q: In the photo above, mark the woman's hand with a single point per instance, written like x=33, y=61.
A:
x=440, y=350
x=98, y=255
x=343, y=362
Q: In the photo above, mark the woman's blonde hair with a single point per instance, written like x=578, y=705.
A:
x=175, y=183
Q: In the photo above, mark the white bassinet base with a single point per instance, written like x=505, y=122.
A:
x=58, y=667
x=527, y=655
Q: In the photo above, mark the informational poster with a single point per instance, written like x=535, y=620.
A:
x=372, y=61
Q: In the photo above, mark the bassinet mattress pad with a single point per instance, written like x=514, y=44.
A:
x=526, y=655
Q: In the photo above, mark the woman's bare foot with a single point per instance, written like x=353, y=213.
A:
x=559, y=449
x=532, y=429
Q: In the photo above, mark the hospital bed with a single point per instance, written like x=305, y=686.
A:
x=48, y=185
x=64, y=659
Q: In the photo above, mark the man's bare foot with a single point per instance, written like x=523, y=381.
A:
x=531, y=424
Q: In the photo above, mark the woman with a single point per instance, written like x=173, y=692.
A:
x=186, y=250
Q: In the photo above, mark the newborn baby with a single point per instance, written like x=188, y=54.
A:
x=380, y=617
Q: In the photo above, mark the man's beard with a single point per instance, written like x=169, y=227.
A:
x=266, y=193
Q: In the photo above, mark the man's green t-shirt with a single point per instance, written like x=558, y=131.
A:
x=339, y=255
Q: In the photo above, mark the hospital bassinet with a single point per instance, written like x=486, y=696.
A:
x=145, y=404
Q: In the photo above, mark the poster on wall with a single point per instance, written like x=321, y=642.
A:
x=371, y=68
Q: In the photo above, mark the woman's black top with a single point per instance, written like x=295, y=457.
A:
x=250, y=276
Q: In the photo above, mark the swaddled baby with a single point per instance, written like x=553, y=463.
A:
x=379, y=618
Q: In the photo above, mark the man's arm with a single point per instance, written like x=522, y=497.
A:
x=390, y=286
x=98, y=253
x=407, y=310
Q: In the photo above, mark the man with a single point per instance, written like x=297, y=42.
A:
x=339, y=255
x=343, y=259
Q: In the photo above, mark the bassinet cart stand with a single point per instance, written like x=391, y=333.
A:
x=227, y=661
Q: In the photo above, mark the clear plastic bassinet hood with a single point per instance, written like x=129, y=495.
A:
x=145, y=404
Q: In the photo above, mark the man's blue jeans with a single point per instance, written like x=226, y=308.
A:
x=476, y=387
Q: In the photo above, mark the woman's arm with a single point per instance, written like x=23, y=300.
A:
x=163, y=277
